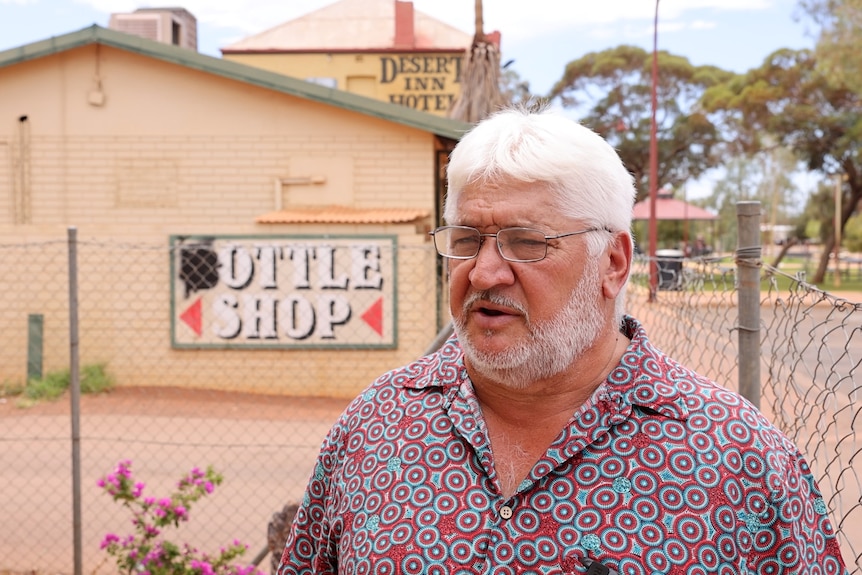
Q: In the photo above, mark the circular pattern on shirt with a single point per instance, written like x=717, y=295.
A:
x=417, y=429
x=588, y=520
x=647, y=508
x=653, y=457
x=628, y=521
x=605, y=497
x=614, y=540
x=708, y=558
x=527, y=521
x=693, y=482
x=690, y=529
x=440, y=426
x=612, y=466
x=526, y=552
x=682, y=462
x=468, y=520
x=586, y=474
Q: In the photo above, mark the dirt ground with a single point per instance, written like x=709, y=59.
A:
x=176, y=402
x=34, y=461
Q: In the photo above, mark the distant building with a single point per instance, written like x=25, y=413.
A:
x=175, y=26
x=382, y=49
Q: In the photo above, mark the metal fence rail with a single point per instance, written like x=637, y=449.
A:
x=264, y=443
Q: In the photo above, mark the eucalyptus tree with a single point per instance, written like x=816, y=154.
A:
x=611, y=92
x=788, y=101
x=839, y=42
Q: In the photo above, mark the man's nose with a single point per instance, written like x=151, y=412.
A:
x=489, y=267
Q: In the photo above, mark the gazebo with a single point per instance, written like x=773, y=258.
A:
x=669, y=208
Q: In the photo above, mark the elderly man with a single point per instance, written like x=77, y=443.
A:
x=548, y=435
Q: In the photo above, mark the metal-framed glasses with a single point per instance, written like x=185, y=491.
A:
x=514, y=244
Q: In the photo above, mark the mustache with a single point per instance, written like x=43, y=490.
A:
x=496, y=299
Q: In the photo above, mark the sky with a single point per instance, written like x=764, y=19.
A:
x=541, y=36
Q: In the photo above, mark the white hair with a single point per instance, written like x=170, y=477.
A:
x=584, y=174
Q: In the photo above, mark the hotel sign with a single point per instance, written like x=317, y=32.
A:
x=425, y=82
x=283, y=291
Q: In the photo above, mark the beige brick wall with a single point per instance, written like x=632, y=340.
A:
x=196, y=155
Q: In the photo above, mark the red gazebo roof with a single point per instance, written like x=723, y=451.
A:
x=669, y=208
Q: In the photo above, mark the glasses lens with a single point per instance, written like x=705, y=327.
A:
x=457, y=242
x=522, y=244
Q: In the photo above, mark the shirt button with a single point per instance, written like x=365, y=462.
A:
x=505, y=512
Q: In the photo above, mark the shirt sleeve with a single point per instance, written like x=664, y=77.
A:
x=312, y=546
x=797, y=515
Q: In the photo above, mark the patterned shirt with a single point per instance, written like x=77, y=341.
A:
x=661, y=472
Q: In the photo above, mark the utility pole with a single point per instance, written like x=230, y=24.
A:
x=837, y=225
x=652, y=231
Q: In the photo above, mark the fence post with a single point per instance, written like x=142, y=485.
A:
x=35, y=345
x=75, y=388
x=748, y=262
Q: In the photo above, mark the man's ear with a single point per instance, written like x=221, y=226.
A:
x=618, y=259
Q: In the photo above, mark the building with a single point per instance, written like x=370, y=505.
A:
x=382, y=49
x=166, y=160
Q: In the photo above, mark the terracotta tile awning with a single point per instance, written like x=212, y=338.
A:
x=343, y=215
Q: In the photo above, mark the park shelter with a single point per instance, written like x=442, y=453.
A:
x=670, y=208
x=679, y=213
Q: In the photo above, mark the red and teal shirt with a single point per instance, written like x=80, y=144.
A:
x=662, y=471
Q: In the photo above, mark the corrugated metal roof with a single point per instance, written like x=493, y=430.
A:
x=403, y=115
x=360, y=25
x=343, y=215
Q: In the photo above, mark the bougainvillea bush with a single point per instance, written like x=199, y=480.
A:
x=147, y=550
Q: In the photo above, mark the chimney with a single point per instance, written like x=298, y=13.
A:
x=404, y=37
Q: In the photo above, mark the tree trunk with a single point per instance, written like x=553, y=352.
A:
x=849, y=203
x=480, y=77
x=823, y=265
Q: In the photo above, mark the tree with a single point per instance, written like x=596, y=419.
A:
x=839, y=46
x=513, y=88
x=480, y=77
x=765, y=177
x=788, y=102
x=612, y=91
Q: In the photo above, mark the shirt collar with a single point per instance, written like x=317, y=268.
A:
x=644, y=377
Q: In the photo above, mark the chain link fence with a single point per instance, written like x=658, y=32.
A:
x=257, y=409
x=810, y=363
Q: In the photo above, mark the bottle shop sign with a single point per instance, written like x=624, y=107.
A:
x=283, y=291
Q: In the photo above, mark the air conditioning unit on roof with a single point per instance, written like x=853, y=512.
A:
x=175, y=26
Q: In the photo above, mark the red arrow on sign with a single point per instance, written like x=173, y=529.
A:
x=192, y=316
x=373, y=316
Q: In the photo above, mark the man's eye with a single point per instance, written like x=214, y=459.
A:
x=465, y=243
x=526, y=241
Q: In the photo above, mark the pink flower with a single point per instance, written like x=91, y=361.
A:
x=109, y=539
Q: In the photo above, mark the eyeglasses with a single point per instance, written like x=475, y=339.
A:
x=514, y=244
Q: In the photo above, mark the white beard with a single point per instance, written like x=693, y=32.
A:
x=551, y=347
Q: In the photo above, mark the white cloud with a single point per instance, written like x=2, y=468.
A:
x=542, y=17
x=702, y=25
